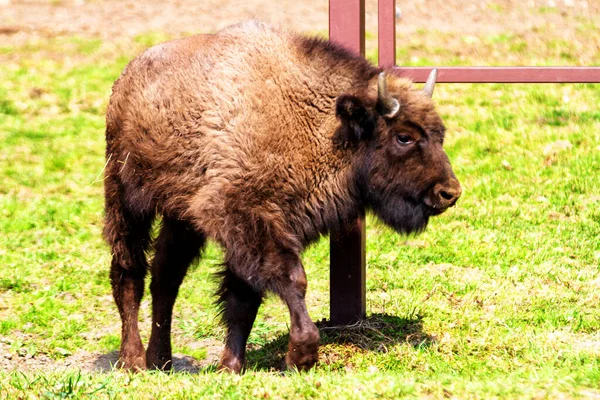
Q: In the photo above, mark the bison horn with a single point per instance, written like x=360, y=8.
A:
x=390, y=105
x=430, y=85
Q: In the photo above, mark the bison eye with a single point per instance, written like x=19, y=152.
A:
x=404, y=139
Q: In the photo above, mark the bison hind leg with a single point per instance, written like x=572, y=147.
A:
x=127, y=232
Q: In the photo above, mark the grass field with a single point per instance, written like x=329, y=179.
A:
x=499, y=298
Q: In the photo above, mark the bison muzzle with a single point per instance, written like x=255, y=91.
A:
x=261, y=140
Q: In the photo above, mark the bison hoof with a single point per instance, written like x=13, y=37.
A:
x=232, y=367
x=302, y=362
x=230, y=362
x=302, y=356
x=132, y=363
x=132, y=357
x=159, y=363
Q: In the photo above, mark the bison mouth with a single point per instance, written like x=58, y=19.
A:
x=434, y=211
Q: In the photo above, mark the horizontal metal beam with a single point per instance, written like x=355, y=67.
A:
x=504, y=74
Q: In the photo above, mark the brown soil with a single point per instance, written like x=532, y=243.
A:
x=110, y=19
x=101, y=362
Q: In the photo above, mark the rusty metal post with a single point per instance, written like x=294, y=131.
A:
x=347, y=248
x=386, y=33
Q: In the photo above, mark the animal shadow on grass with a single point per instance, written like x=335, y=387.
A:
x=339, y=343
x=181, y=363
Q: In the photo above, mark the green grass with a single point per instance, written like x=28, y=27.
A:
x=499, y=298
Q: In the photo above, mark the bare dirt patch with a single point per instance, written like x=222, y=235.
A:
x=101, y=362
x=111, y=19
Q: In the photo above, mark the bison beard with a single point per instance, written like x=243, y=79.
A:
x=404, y=216
x=254, y=138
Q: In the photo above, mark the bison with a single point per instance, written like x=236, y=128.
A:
x=261, y=140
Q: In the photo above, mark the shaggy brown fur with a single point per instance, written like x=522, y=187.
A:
x=261, y=140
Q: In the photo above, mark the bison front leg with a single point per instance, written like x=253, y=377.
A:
x=303, y=346
x=240, y=303
x=177, y=245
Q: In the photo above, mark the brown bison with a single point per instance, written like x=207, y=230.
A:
x=261, y=140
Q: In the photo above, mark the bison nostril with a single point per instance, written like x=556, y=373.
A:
x=446, y=195
x=443, y=196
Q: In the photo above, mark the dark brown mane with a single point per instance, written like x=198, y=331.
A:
x=337, y=56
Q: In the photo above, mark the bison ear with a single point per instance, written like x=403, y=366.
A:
x=358, y=121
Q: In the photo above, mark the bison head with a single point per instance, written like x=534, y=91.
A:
x=400, y=167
